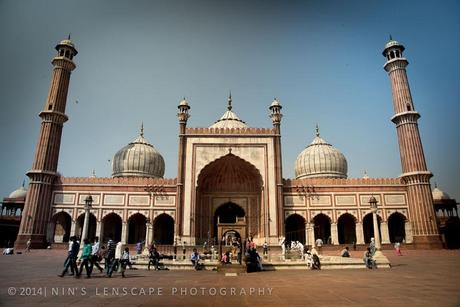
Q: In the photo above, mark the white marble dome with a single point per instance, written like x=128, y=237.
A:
x=320, y=159
x=229, y=119
x=438, y=194
x=18, y=193
x=138, y=159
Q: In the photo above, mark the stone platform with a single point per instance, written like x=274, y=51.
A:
x=327, y=263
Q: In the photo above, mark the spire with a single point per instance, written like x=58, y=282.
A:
x=317, y=130
x=391, y=38
x=68, y=37
x=23, y=183
x=229, y=106
x=142, y=129
x=435, y=184
x=93, y=173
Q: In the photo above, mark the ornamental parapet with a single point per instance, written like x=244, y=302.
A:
x=230, y=131
x=342, y=182
x=141, y=181
x=394, y=64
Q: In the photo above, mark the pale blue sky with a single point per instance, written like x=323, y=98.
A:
x=322, y=59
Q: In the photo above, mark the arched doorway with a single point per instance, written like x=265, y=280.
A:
x=322, y=227
x=136, y=228
x=163, y=229
x=62, y=224
x=231, y=236
x=368, y=227
x=227, y=213
x=91, y=226
x=346, y=227
x=396, y=227
x=112, y=227
x=295, y=229
x=221, y=180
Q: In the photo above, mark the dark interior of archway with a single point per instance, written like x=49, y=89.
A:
x=396, y=228
x=322, y=228
x=163, y=229
x=368, y=227
x=346, y=229
x=112, y=227
x=295, y=229
x=63, y=222
x=136, y=228
x=227, y=213
x=91, y=226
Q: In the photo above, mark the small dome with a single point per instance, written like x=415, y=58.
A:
x=275, y=103
x=391, y=44
x=439, y=195
x=19, y=193
x=138, y=159
x=67, y=42
x=183, y=102
x=229, y=119
x=320, y=159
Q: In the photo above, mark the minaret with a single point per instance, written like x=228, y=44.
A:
x=183, y=117
x=415, y=173
x=276, y=116
x=36, y=214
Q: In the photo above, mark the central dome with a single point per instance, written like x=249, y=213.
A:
x=320, y=159
x=229, y=119
x=138, y=159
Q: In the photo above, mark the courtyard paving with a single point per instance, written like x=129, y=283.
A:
x=419, y=278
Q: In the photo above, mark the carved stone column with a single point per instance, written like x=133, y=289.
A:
x=384, y=233
x=124, y=233
x=334, y=234
x=359, y=233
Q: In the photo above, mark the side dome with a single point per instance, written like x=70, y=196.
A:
x=320, y=159
x=138, y=159
x=19, y=193
x=229, y=119
x=438, y=194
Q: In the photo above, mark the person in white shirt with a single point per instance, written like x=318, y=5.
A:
x=94, y=258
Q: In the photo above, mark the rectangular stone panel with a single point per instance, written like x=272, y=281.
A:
x=138, y=200
x=64, y=199
x=113, y=199
x=293, y=201
x=320, y=200
x=395, y=199
x=165, y=200
x=345, y=200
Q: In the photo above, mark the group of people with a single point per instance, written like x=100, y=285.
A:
x=116, y=258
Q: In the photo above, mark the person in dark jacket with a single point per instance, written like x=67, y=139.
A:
x=71, y=261
x=85, y=257
x=110, y=255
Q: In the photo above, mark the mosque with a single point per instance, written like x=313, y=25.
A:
x=229, y=183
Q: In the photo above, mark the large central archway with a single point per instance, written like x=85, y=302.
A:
x=228, y=187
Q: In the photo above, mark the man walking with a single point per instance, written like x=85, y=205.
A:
x=94, y=258
x=110, y=256
x=74, y=248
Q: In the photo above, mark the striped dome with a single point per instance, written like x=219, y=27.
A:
x=138, y=159
x=320, y=159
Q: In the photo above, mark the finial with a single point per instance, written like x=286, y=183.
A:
x=435, y=185
x=391, y=38
x=93, y=173
x=23, y=183
x=229, y=107
x=365, y=175
x=68, y=37
x=317, y=130
x=142, y=129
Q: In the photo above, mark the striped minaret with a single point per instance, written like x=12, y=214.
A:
x=415, y=173
x=36, y=214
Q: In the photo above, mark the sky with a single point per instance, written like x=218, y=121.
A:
x=321, y=59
